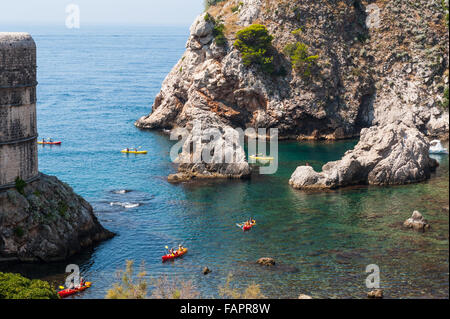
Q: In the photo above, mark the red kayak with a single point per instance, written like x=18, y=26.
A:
x=245, y=226
x=69, y=292
x=177, y=254
x=49, y=143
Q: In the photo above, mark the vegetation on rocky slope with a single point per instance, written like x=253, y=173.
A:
x=300, y=59
x=14, y=286
x=255, y=44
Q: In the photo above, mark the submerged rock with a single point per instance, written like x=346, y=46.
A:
x=417, y=222
x=46, y=221
x=266, y=261
x=389, y=155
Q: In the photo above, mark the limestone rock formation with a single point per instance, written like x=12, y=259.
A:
x=417, y=222
x=46, y=221
x=367, y=72
x=211, y=151
x=376, y=65
x=303, y=296
x=390, y=155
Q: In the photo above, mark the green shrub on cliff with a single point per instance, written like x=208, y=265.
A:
x=218, y=31
x=300, y=59
x=445, y=8
x=14, y=286
x=445, y=99
x=209, y=3
x=255, y=45
x=20, y=185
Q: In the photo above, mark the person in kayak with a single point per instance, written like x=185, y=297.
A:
x=43, y=140
x=82, y=282
x=180, y=248
x=128, y=149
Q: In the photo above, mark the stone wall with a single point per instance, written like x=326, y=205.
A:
x=18, y=130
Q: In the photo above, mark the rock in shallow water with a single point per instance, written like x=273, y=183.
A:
x=417, y=222
x=388, y=155
x=206, y=270
x=266, y=261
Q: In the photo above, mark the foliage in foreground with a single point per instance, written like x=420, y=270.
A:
x=252, y=291
x=137, y=287
x=255, y=44
x=131, y=286
x=14, y=286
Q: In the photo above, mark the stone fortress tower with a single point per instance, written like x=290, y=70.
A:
x=18, y=130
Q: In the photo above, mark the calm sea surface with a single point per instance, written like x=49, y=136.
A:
x=95, y=82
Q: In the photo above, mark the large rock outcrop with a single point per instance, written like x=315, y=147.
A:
x=370, y=70
x=46, y=221
x=211, y=151
x=390, y=155
x=378, y=63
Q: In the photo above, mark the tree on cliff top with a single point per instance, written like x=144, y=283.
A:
x=255, y=44
x=14, y=286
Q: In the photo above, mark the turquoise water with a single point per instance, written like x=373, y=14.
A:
x=93, y=85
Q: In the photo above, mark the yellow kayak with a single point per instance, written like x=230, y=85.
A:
x=133, y=152
x=261, y=158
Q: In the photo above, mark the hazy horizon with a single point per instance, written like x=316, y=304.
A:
x=23, y=13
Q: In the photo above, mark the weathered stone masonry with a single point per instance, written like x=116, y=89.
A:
x=18, y=130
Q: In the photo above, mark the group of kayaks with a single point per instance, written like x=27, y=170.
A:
x=172, y=255
x=126, y=150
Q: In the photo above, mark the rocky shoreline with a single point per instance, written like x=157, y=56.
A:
x=391, y=155
x=46, y=221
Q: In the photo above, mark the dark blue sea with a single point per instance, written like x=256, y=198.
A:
x=94, y=83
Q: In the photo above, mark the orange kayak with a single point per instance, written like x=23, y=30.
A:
x=49, y=143
x=177, y=254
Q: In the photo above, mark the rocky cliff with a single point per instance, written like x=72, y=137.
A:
x=366, y=73
x=336, y=67
x=46, y=221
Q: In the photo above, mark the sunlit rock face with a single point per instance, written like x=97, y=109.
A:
x=390, y=155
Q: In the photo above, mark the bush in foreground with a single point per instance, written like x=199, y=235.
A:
x=14, y=286
x=137, y=287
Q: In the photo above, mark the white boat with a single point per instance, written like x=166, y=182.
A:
x=437, y=148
